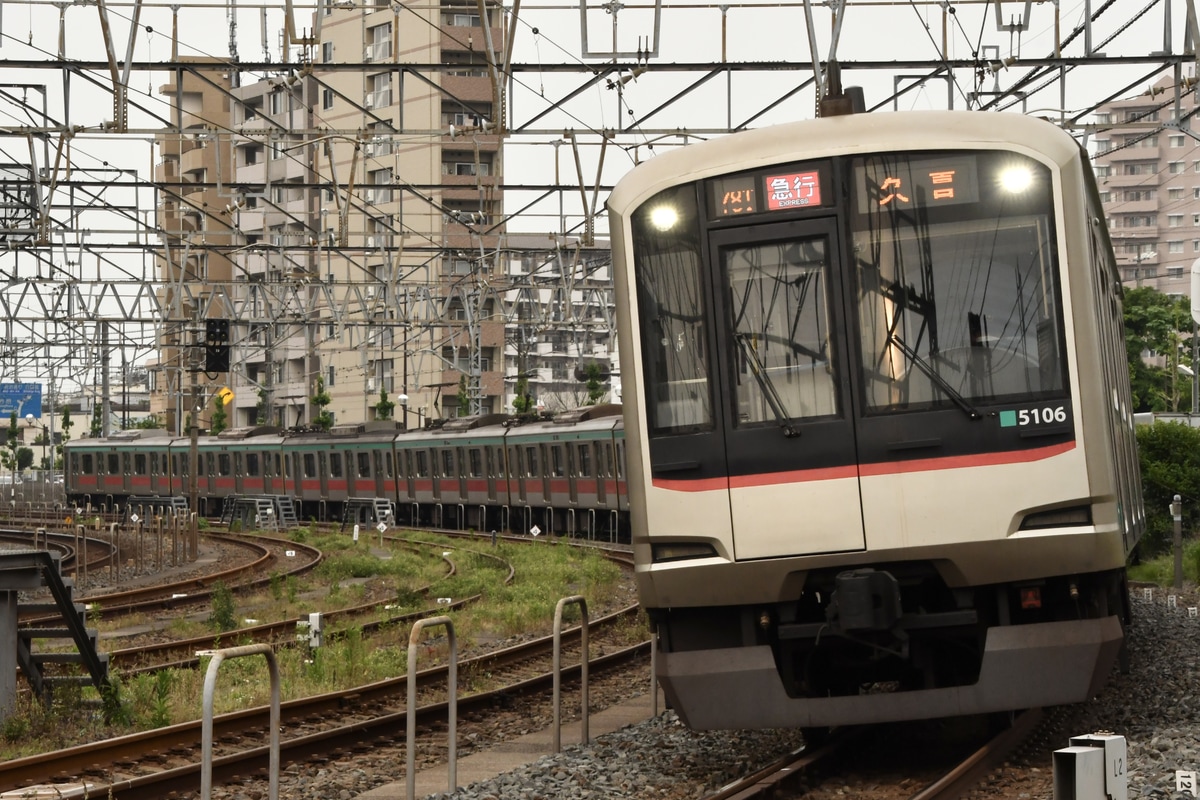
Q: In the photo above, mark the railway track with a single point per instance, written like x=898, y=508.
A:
x=155, y=763
x=940, y=776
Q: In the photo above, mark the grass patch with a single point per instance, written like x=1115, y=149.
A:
x=544, y=572
x=1161, y=569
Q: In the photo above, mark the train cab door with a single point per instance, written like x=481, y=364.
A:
x=787, y=416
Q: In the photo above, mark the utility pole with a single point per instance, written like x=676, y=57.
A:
x=193, y=359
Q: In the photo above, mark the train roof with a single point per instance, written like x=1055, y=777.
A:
x=842, y=135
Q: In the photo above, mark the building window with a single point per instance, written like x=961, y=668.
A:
x=329, y=376
x=1175, y=167
x=1176, y=140
x=327, y=52
x=1175, y=193
x=1174, y=247
x=1174, y=220
x=1103, y=145
x=327, y=98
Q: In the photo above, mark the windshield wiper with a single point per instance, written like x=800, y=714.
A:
x=767, y=386
x=933, y=375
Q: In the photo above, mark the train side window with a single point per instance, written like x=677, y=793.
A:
x=364, y=463
x=585, y=460
x=252, y=465
x=310, y=465
x=531, y=461
x=139, y=464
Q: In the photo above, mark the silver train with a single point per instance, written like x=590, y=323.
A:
x=560, y=474
x=879, y=435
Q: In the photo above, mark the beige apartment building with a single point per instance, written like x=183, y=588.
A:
x=1149, y=180
x=360, y=197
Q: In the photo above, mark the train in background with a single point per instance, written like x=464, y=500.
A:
x=880, y=443
x=560, y=474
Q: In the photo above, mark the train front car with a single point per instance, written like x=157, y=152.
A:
x=880, y=450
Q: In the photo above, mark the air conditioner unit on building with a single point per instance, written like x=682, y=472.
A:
x=370, y=384
x=370, y=101
x=371, y=290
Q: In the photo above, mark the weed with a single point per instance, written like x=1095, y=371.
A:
x=222, y=617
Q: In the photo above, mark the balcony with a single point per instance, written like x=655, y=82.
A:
x=469, y=89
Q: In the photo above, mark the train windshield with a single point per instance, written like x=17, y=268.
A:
x=671, y=306
x=955, y=270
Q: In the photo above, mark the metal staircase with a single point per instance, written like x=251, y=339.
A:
x=16, y=570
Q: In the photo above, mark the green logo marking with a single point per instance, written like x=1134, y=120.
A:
x=1008, y=419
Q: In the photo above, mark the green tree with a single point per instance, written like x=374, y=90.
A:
x=523, y=402
x=260, y=408
x=1169, y=453
x=97, y=419
x=1158, y=325
x=321, y=399
x=385, y=407
x=595, y=384
x=220, y=420
x=148, y=423
x=464, y=401
x=24, y=458
x=10, y=450
x=65, y=425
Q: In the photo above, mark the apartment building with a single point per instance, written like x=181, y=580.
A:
x=193, y=162
x=359, y=194
x=1149, y=180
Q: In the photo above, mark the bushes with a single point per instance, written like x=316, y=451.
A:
x=1169, y=453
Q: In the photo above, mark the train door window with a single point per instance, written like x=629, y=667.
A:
x=421, y=463
x=585, y=460
x=335, y=465
x=139, y=464
x=448, y=470
x=310, y=465
x=114, y=464
x=619, y=462
x=224, y=464
x=278, y=465
x=531, y=461
x=324, y=467
x=364, y=463
x=674, y=330
x=460, y=462
x=252, y=465
x=475, y=460
x=558, y=465
x=85, y=466
x=211, y=463
x=239, y=463
x=490, y=458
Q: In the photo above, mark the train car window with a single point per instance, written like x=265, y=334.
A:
x=278, y=465
x=475, y=460
x=585, y=460
x=364, y=463
x=956, y=268
x=114, y=464
x=310, y=465
x=86, y=467
x=389, y=462
x=335, y=465
x=532, y=469
x=224, y=464
x=252, y=465
x=239, y=464
x=557, y=465
x=673, y=313
x=421, y=464
x=619, y=461
x=139, y=464
x=448, y=469
x=490, y=455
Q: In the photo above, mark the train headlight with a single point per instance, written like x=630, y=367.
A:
x=1016, y=179
x=681, y=550
x=664, y=218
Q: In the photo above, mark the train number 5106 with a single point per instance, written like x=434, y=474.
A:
x=1041, y=416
